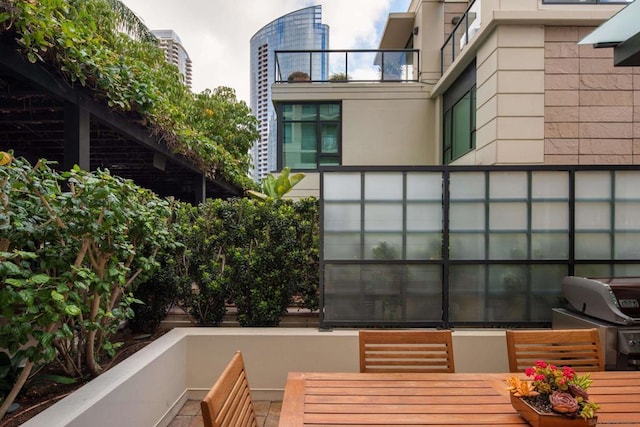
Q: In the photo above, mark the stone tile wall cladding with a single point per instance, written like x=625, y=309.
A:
x=592, y=109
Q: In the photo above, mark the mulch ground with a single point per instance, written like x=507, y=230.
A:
x=38, y=398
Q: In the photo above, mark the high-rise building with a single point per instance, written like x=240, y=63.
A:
x=299, y=30
x=175, y=52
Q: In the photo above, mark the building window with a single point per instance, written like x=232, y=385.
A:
x=309, y=135
x=459, y=116
x=460, y=127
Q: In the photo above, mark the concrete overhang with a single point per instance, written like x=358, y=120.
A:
x=397, y=30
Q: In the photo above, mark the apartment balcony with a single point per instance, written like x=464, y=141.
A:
x=347, y=66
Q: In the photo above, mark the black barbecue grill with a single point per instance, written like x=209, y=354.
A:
x=611, y=305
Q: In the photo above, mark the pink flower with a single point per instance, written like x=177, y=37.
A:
x=541, y=364
x=539, y=377
x=530, y=372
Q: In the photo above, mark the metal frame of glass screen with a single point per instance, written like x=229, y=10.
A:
x=533, y=224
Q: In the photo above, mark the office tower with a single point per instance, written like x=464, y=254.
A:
x=175, y=52
x=299, y=30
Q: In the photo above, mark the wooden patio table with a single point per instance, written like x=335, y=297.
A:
x=461, y=399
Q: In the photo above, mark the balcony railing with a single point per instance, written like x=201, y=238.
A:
x=462, y=34
x=360, y=65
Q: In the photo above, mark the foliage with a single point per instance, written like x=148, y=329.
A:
x=276, y=188
x=80, y=39
x=560, y=388
x=339, y=77
x=11, y=368
x=256, y=255
x=298, y=76
x=69, y=261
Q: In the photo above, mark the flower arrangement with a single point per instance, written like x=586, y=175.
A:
x=554, y=389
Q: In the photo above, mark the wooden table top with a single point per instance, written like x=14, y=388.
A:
x=462, y=399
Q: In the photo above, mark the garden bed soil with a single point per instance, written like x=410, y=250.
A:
x=39, y=398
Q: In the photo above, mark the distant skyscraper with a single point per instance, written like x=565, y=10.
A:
x=175, y=52
x=299, y=30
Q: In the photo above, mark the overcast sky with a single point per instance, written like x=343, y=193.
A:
x=216, y=33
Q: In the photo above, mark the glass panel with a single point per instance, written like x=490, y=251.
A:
x=593, y=216
x=627, y=245
x=627, y=216
x=424, y=217
x=342, y=217
x=329, y=111
x=424, y=246
x=446, y=144
x=299, y=145
x=508, y=246
x=299, y=112
x=593, y=185
x=467, y=185
x=594, y=270
x=627, y=185
x=462, y=126
x=383, y=217
x=343, y=246
x=628, y=270
x=550, y=185
x=508, y=216
x=466, y=216
x=342, y=292
x=546, y=290
x=508, y=185
x=592, y=246
x=549, y=246
x=424, y=186
x=383, y=186
x=549, y=216
x=341, y=186
x=467, y=293
x=466, y=246
x=507, y=299
x=329, y=137
x=383, y=246
x=382, y=292
x=423, y=293
x=330, y=160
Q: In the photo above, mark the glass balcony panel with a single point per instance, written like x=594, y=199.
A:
x=549, y=246
x=424, y=217
x=383, y=217
x=467, y=216
x=593, y=185
x=627, y=216
x=343, y=246
x=508, y=216
x=383, y=246
x=467, y=246
x=383, y=186
x=627, y=245
x=549, y=216
x=424, y=246
x=467, y=293
x=592, y=246
x=424, y=186
x=423, y=293
x=467, y=185
x=508, y=185
x=342, y=186
x=593, y=216
x=342, y=217
x=508, y=246
x=550, y=185
x=627, y=185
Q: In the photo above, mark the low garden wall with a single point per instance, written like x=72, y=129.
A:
x=150, y=387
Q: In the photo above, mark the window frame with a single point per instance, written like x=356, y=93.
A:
x=319, y=124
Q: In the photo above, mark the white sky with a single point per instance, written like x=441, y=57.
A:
x=216, y=33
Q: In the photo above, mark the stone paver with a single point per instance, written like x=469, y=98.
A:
x=267, y=414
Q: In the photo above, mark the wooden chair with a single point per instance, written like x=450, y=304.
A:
x=577, y=348
x=406, y=351
x=229, y=403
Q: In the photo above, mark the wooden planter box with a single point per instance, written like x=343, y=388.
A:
x=545, y=419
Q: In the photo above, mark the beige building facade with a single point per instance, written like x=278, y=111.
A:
x=536, y=96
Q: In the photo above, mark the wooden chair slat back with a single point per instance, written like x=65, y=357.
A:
x=577, y=348
x=229, y=403
x=406, y=351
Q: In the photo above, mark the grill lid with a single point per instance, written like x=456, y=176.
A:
x=614, y=299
